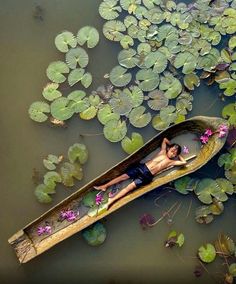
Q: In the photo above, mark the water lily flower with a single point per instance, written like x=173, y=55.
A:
x=204, y=139
x=185, y=150
x=68, y=215
x=48, y=229
x=98, y=199
x=208, y=132
x=222, y=134
x=41, y=231
x=223, y=127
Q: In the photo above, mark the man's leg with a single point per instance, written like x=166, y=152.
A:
x=123, y=192
x=113, y=181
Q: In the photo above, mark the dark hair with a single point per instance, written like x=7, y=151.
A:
x=177, y=146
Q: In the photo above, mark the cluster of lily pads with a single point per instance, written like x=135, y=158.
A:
x=65, y=174
x=224, y=247
x=174, y=239
x=95, y=235
x=76, y=59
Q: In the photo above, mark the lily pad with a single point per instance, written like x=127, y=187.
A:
x=50, y=179
x=50, y=92
x=121, y=104
x=156, y=59
x=56, y=70
x=119, y=77
x=216, y=207
x=78, y=102
x=205, y=189
x=136, y=95
x=232, y=269
x=186, y=60
x=65, y=40
x=86, y=80
x=113, y=29
x=158, y=123
x=229, y=86
x=88, y=35
x=78, y=152
x=150, y=80
x=170, y=85
x=42, y=195
x=168, y=114
x=89, y=113
x=75, y=76
x=130, y=20
x=182, y=185
x=126, y=41
x=184, y=103
x=51, y=160
x=224, y=187
x=70, y=171
x=60, y=109
x=105, y=114
x=229, y=112
x=207, y=253
x=90, y=198
x=109, y=10
x=115, y=130
x=126, y=58
x=95, y=235
x=232, y=42
x=77, y=56
x=157, y=100
x=138, y=118
x=133, y=144
x=191, y=80
x=130, y=5
x=37, y=111
x=203, y=215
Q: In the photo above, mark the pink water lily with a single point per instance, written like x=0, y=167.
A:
x=222, y=130
x=41, y=231
x=185, y=150
x=222, y=134
x=48, y=229
x=208, y=132
x=98, y=199
x=68, y=215
x=204, y=139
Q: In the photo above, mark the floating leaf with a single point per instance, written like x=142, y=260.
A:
x=88, y=113
x=136, y=95
x=115, y=130
x=229, y=86
x=75, y=76
x=131, y=145
x=121, y=104
x=105, y=114
x=126, y=41
x=109, y=10
x=186, y=60
x=170, y=85
x=158, y=123
x=77, y=56
x=42, y=195
x=157, y=100
x=130, y=5
x=51, y=160
x=37, y=111
x=144, y=48
x=79, y=152
x=88, y=35
x=191, y=80
x=113, y=29
x=50, y=92
x=69, y=171
x=203, y=215
x=216, y=207
x=205, y=189
x=119, y=77
x=156, y=59
x=167, y=114
x=182, y=185
x=50, y=179
x=95, y=235
x=77, y=102
x=126, y=58
x=222, y=76
x=89, y=198
x=86, y=80
x=138, y=118
x=207, y=253
x=232, y=269
x=232, y=42
x=64, y=40
x=225, y=55
x=229, y=112
x=224, y=187
x=184, y=103
x=180, y=240
x=150, y=80
x=60, y=109
x=56, y=70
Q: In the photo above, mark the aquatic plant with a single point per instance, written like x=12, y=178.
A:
x=207, y=253
x=95, y=235
x=174, y=239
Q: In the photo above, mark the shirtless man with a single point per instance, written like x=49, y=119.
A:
x=143, y=173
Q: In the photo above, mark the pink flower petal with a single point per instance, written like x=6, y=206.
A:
x=185, y=150
x=208, y=132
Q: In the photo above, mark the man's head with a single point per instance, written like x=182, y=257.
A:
x=173, y=151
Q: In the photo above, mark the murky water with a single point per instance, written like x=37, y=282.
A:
x=129, y=254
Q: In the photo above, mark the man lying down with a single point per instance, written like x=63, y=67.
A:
x=143, y=173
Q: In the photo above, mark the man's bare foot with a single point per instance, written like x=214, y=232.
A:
x=100, y=187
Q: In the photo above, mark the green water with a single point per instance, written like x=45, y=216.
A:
x=129, y=254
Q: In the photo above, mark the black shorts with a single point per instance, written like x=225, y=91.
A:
x=140, y=174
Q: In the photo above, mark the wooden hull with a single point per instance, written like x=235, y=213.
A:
x=28, y=245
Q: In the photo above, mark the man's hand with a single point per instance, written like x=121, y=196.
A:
x=163, y=144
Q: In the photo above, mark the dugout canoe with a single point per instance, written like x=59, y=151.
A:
x=26, y=242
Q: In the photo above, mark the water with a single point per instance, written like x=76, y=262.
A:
x=129, y=255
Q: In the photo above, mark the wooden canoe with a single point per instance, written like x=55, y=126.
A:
x=26, y=242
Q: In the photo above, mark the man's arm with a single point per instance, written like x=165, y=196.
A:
x=182, y=162
x=163, y=144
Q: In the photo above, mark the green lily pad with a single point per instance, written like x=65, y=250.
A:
x=136, y=95
x=88, y=35
x=115, y=130
x=229, y=112
x=232, y=269
x=207, y=253
x=77, y=56
x=191, y=80
x=157, y=100
x=224, y=186
x=155, y=15
x=119, y=77
x=170, y=85
x=50, y=179
x=75, y=76
x=86, y=80
x=41, y=193
x=105, y=114
x=151, y=3
x=77, y=101
x=185, y=38
x=229, y=86
x=89, y=113
x=138, y=118
x=94, y=100
x=158, y=123
x=182, y=185
x=133, y=144
x=113, y=29
x=228, y=159
x=50, y=162
x=225, y=55
x=216, y=207
x=231, y=175
x=90, y=198
x=50, y=92
x=144, y=48
x=205, y=189
x=126, y=41
x=168, y=114
x=95, y=235
x=109, y=10
x=180, y=240
x=133, y=31
x=184, y=103
x=156, y=59
x=126, y=58
x=222, y=76
x=150, y=80
x=37, y=111
x=60, y=109
x=56, y=70
x=121, y=104
x=130, y=20
x=232, y=42
x=78, y=152
x=65, y=40
x=203, y=215
x=69, y=171
x=130, y=5
x=224, y=245
x=186, y=60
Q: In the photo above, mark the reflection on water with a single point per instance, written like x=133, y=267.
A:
x=129, y=255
